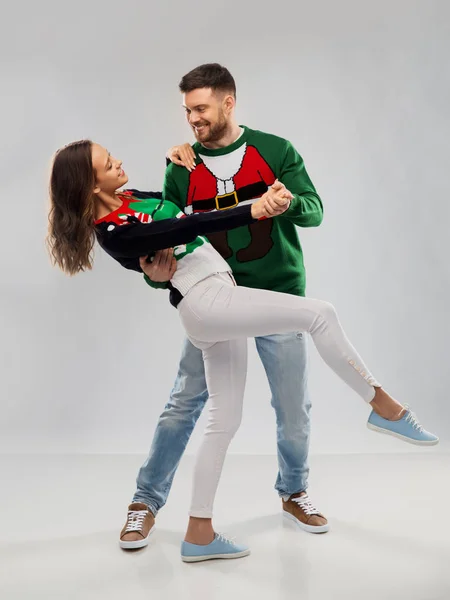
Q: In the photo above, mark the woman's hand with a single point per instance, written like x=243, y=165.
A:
x=162, y=268
x=184, y=156
x=274, y=202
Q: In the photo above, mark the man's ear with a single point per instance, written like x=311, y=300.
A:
x=229, y=102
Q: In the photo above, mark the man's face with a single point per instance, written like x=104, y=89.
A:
x=208, y=114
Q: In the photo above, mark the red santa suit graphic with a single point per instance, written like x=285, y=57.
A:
x=223, y=182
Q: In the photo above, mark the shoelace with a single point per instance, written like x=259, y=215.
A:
x=223, y=538
x=411, y=418
x=135, y=520
x=306, y=505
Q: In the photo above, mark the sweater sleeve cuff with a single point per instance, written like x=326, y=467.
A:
x=293, y=207
x=157, y=285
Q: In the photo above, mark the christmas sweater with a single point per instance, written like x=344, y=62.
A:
x=144, y=224
x=266, y=254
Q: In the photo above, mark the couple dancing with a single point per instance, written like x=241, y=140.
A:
x=246, y=191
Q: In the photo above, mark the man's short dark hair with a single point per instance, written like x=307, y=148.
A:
x=210, y=75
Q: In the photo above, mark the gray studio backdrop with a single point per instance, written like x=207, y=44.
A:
x=361, y=89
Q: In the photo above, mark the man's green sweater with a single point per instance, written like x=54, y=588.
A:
x=266, y=254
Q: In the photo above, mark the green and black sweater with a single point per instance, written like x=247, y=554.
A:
x=266, y=254
x=144, y=224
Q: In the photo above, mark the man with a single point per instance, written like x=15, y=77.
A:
x=233, y=165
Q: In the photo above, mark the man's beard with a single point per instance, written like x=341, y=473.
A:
x=215, y=132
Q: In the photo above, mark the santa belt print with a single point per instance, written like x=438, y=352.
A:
x=224, y=201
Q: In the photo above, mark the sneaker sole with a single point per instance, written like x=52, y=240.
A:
x=402, y=437
x=191, y=559
x=304, y=526
x=137, y=543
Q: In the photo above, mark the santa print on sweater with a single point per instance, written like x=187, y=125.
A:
x=223, y=182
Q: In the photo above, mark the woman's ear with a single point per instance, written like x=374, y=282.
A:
x=97, y=190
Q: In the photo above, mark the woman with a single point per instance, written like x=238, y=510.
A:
x=218, y=315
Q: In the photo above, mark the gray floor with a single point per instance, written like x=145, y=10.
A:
x=390, y=535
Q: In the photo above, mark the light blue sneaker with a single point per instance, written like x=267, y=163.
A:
x=407, y=429
x=220, y=547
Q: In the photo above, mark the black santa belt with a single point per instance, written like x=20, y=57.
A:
x=232, y=199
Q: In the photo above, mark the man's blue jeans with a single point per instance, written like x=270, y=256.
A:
x=285, y=361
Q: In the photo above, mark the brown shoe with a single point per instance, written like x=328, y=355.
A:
x=140, y=524
x=301, y=511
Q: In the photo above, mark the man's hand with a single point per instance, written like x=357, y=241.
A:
x=278, y=199
x=184, y=156
x=162, y=267
x=274, y=202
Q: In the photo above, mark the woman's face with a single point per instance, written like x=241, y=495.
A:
x=109, y=173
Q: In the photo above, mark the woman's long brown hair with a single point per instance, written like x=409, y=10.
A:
x=71, y=234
